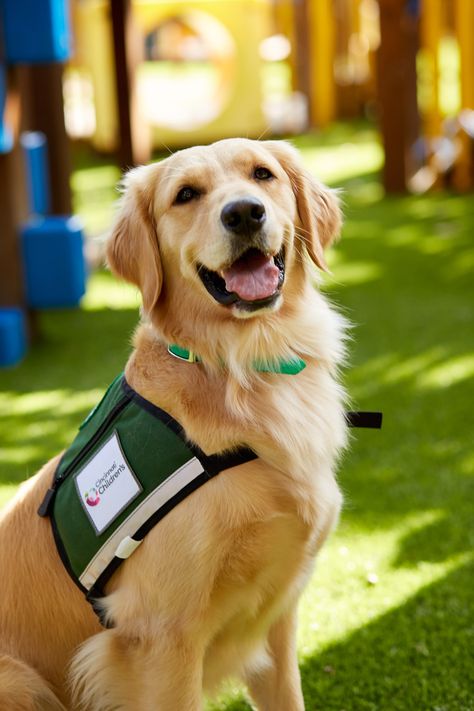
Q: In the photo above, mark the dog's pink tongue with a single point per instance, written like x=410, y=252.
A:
x=252, y=277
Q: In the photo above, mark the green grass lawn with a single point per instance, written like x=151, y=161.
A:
x=387, y=622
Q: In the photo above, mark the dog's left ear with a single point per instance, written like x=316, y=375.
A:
x=132, y=249
x=318, y=206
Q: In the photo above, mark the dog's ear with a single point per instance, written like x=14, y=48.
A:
x=132, y=249
x=318, y=206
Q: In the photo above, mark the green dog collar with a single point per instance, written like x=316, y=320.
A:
x=286, y=367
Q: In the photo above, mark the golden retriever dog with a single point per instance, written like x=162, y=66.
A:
x=222, y=242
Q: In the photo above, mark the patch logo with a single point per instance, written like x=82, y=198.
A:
x=107, y=479
x=92, y=497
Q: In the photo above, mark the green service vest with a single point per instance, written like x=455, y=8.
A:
x=129, y=465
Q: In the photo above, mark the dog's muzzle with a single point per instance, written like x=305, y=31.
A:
x=252, y=282
x=243, y=217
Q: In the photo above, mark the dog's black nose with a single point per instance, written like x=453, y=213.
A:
x=243, y=216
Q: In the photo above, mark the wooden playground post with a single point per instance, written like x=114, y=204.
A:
x=431, y=25
x=396, y=69
x=411, y=32
x=346, y=26
x=302, y=50
x=42, y=97
x=34, y=102
x=464, y=24
x=13, y=203
x=134, y=141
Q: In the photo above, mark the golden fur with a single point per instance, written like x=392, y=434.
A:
x=213, y=589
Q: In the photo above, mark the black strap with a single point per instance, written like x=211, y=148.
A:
x=47, y=503
x=372, y=420
x=95, y=595
x=213, y=464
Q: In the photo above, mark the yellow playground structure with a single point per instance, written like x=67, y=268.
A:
x=201, y=71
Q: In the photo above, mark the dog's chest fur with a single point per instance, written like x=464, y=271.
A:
x=255, y=529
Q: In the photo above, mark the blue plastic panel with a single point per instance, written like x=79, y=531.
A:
x=53, y=261
x=6, y=136
x=35, y=148
x=36, y=31
x=13, y=339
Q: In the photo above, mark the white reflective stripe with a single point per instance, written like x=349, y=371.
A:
x=154, y=501
x=127, y=547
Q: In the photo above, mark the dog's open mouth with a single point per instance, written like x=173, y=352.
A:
x=252, y=282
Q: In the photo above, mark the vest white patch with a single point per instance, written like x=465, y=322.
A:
x=140, y=514
x=106, y=484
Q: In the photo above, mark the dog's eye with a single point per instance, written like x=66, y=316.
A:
x=261, y=173
x=185, y=195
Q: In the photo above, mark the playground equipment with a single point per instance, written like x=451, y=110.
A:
x=13, y=336
x=348, y=58
x=391, y=59
x=428, y=131
x=51, y=245
x=212, y=85
x=448, y=138
x=204, y=60
x=333, y=48
x=53, y=261
x=41, y=261
x=36, y=31
x=6, y=137
x=35, y=150
x=464, y=172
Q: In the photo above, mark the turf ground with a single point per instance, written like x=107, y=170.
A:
x=387, y=622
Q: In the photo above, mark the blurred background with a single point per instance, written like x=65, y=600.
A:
x=378, y=95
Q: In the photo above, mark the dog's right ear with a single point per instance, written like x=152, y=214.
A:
x=132, y=249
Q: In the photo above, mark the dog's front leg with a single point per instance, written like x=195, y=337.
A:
x=277, y=687
x=119, y=672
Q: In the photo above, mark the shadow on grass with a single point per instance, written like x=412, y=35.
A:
x=400, y=662
x=77, y=349
x=440, y=540
x=411, y=357
x=45, y=398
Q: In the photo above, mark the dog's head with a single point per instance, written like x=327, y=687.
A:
x=222, y=232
